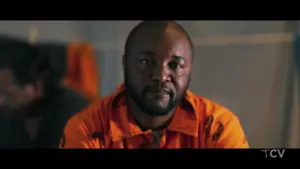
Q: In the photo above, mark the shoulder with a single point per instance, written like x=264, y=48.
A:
x=205, y=107
x=94, y=116
x=217, y=111
x=220, y=124
x=89, y=125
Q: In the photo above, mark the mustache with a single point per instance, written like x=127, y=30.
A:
x=158, y=88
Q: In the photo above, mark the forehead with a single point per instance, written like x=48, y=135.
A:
x=164, y=42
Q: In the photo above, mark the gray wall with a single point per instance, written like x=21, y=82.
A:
x=243, y=77
x=63, y=31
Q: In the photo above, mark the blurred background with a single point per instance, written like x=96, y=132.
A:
x=248, y=66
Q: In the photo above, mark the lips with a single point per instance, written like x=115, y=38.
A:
x=159, y=91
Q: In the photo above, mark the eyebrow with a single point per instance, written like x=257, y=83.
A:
x=145, y=52
x=178, y=57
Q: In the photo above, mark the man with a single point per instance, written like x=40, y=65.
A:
x=34, y=108
x=154, y=109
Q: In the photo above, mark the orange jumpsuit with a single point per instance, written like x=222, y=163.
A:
x=197, y=123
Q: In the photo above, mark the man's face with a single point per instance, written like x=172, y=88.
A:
x=13, y=96
x=157, y=70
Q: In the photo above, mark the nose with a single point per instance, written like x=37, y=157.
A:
x=161, y=74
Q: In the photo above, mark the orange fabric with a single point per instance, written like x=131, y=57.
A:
x=197, y=123
x=82, y=73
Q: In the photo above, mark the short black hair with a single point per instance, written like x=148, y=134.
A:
x=132, y=33
x=25, y=60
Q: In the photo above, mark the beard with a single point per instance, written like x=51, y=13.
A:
x=150, y=107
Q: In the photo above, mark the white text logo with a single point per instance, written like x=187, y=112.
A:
x=273, y=153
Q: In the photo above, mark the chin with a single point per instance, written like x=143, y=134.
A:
x=157, y=110
x=156, y=113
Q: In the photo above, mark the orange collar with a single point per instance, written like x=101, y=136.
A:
x=185, y=119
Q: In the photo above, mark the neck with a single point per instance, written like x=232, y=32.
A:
x=149, y=122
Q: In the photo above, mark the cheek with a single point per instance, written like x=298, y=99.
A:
x=137, y=78
x=181, y=82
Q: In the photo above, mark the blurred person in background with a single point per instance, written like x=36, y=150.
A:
x=154, y=108
x=34, y=106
